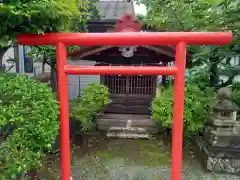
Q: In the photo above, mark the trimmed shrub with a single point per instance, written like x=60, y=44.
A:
x=196, y=107
x=236, y=92
x=198, y=76
x=29, y=114
x=92, y=101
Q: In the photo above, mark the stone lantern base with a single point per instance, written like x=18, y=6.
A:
x=222, y=137
x=219, y=159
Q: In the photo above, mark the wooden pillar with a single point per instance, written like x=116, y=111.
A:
x=164, y=77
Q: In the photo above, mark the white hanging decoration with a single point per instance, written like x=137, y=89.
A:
x=128, y=51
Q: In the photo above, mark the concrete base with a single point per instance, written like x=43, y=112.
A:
x=128, y=132
x=128, y=135
x=107, y=120
x=219, y=160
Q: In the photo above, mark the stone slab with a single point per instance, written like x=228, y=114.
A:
x=150, y=130
x=125, y=135
x=226, y=131
x=227, y=140
x=220, y=152
x=221, y=122
x=219, y=160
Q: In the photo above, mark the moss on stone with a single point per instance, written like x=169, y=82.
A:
x=115, y=159
x=138, y=152
x=153, y=153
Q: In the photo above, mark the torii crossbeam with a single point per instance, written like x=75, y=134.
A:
x=180, y=39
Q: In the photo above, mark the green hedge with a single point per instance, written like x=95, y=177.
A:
x=31, y=110
x=93, y=99
x=196, y=107
x=236, y=92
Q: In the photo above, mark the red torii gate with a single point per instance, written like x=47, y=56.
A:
x=180, y=39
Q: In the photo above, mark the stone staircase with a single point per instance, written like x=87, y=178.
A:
x=126, y=125
x=128, y=132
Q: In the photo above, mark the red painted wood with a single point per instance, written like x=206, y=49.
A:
x=127, y=38
x=128, y=23
x=178, y=109
x=120, y=70
x=181, y=39
x=64, y=106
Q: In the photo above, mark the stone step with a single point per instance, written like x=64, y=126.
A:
x=128, y=132
x=128, y=129
x=150, y=130
x=123, y=122
x=107, y=120
x=124, y=135
x=123, y=116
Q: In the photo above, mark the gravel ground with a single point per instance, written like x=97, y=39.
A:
x=97, y=158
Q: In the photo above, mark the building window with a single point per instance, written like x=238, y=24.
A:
x=28, y=61
x=226, y=114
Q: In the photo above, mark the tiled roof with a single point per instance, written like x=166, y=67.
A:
x=226, y=105
x=83, y=52
x=114, y=9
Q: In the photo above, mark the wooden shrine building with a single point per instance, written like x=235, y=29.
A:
x=131, y=95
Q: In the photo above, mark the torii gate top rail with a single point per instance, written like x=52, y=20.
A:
x=127, y=38
x=180, y=39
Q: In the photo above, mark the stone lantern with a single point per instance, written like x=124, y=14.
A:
x=220, y=143
x=222, y=124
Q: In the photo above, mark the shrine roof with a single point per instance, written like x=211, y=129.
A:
x=86, y=51
x=127, y=23
x=226, y=105
x=114, y=9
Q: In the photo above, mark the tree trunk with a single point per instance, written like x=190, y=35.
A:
x=189, y=63
x=164, y=80
x=43, y=67
x=214, y=75
x=33, y=174
x=16, y=57
x=2, y=52
x=164, y=77
x=54, y=80
x=54, y=75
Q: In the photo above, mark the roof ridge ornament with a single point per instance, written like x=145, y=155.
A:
x=128, y=23
x=127, y=51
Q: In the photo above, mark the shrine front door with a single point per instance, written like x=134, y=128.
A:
x=130, y=94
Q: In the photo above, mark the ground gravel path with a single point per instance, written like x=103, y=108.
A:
x=116, y=159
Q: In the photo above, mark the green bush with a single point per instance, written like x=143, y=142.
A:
x=31, y=110
x=236, y=92
x=198, y=76
x=196, y=106
x=92, y=101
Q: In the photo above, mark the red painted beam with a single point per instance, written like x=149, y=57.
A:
x=120, y=70
x=127, y=38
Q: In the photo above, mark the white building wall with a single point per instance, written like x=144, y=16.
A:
x=37, y=65
x=76, y=83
